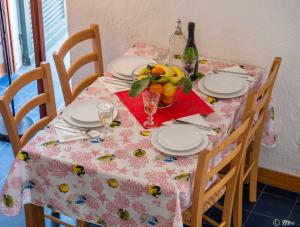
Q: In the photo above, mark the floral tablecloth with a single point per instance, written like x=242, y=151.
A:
x=123, y=180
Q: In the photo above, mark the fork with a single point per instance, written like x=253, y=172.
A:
x=89, y=133
x=203, y=127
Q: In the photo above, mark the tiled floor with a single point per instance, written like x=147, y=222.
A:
x=272, y=203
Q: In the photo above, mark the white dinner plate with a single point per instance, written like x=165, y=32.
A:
x=85, y=111
x=179, y=137
x=156, y=144
x=126, y=64
x=67, y=115
x=223, y=84
x=223, y=96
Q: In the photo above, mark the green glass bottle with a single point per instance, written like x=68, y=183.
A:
x=190, y=54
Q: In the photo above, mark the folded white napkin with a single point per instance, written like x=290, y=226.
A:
x=196, y=119
x=64, y=136
x=113, y=88
x=238, y=69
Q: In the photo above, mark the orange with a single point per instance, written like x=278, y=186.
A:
x=157, y=71
x=168, y=100
x=156, y=88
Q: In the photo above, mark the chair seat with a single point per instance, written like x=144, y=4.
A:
x=187, y=214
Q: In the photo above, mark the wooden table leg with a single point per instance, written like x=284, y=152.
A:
x=81, y=223
x=34, y=216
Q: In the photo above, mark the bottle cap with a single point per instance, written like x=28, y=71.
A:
x=191, y=26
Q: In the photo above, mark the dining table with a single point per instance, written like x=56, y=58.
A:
x=105, y=181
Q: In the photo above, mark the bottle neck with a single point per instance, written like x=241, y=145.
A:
x=191, y=39
x=178, y=30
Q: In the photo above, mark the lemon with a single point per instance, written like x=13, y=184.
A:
x=169, y=90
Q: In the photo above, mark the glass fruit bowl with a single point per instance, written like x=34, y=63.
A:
x=162, y=79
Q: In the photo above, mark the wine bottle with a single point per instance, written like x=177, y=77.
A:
x=190, y=54
x=177, y=43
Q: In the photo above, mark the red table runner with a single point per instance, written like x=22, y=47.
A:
x=184, y=105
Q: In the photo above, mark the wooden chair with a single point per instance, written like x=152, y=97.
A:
x=11, y=122
x=65, y=75
x=258, y=103
x=34, y=214
x=224, y=185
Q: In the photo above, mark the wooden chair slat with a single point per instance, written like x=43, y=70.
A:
x=81, y=62
x=74, y=39
x=219, y=184
x=224, y=162
x=36, y=101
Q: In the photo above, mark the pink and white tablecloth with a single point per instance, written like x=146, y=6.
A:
x=122, y=181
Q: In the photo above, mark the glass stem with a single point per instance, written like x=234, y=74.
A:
x=150, y=119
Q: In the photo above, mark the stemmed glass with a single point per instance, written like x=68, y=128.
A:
x=150, y=100
x=160, y=55
x=105, y=112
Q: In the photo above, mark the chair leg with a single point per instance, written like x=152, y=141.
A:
x=57, y=215
x=238, y=205
x=34, y=216
x=81, y=223
x=253, y=183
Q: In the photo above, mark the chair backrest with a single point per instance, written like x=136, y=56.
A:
x=47, y=98
x=259, y=102
x=236, y=144
x=65, y=75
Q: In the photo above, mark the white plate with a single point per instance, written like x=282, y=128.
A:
x=223, y=96
x=85, y=111
x=67, y=117
x=179, y=137
x=164, y=150
x=223, y=84
x=125, y=65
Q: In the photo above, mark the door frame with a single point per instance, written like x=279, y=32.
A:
x=8, y=40
x=39, y=42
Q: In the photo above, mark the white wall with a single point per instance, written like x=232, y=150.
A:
x=248, y=31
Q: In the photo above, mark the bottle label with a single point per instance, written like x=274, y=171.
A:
x=189, y=66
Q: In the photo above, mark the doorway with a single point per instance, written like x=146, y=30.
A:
x=22, y=47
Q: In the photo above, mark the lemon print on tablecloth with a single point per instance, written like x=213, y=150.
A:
x=28, y=184
x=51, y=143
x=272, y=113
x=203, y=61
x=101, y=222
x=64, y=188
x=113, y=183
x=217, y=130
x=230, y=130
x=212, y=100
x=166, y=158
x=115, y=124
x=8, y=200
x=145, y=133
x=23, y=156
x=78, y=170
x=123, y=214
x=107, y=157
x=76, y=199
x=149, y=219
x=154, y=190
x=183, y=177
x=139, y=153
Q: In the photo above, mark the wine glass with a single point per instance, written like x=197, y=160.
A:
x=105, y=112
x=160, y=54
x=150, y=100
